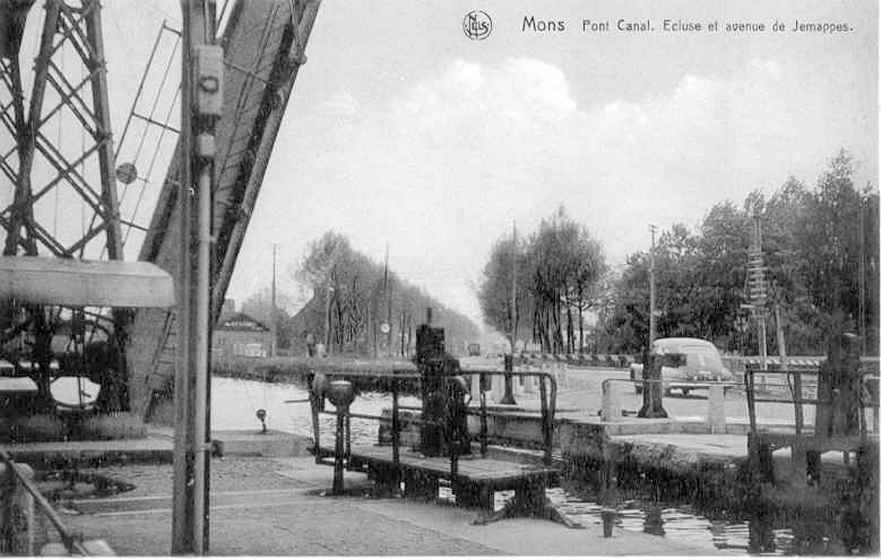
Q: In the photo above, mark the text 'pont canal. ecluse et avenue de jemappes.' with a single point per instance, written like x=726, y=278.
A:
x=533, y=24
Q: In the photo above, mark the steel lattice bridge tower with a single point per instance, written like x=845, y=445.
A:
x=69, y=80
x=59, y=173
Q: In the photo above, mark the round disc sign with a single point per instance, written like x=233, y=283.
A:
x=385, y=328
x=126, y=173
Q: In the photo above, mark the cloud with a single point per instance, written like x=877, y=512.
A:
x=440, y=168
x=340, y=104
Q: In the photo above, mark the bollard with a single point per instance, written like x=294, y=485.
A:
x=611, y=402
x=716, y=409
x=498, y=388
x=16, y=513
x=341, y=394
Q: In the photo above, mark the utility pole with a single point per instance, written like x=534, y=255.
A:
x=273, y=318
x=756, y=282
x=653, y=328
x=862, y=281
x=388, y=305
x=201, y=100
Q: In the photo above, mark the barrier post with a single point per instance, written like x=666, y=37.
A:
x=498, y=388
x=611, y=402
x=716, y=409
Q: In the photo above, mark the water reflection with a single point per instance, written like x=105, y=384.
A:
x=761, y=535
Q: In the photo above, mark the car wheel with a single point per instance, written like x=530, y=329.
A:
x=685, y=392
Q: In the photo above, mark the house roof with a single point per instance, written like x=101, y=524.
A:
x=240, y=322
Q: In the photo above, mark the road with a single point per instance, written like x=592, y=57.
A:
x=580, y=395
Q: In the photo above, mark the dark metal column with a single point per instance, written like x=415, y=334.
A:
x=201, y=79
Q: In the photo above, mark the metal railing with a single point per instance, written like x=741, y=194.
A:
x=395, y=380
x=715, y=410
x=794, y=386
x=19, y=478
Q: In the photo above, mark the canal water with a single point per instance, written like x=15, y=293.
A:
x=235, y=402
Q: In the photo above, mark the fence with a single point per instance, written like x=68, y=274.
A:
x=547, y=389
x=760, y=387
x=793, y=392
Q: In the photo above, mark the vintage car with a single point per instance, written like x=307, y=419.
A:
x=702, y=363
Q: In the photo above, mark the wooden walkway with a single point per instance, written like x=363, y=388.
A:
x=474, y=483
x=492, y=474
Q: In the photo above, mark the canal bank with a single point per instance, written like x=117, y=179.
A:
x=639, y=507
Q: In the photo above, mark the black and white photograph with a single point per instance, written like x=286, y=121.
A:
x=392, y=278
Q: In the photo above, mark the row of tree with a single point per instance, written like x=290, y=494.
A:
x=820, y=246
x=361, y=307
x=543, y=284
x=821, y=249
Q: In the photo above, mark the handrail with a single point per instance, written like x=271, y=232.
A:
x=797, y=400
x=70, y=543
x=547, y=397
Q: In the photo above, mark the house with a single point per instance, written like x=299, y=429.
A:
x=240, y=335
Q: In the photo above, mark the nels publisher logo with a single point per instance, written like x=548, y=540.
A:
x=477, y=25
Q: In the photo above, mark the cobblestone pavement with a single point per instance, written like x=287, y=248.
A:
x=227, y=473
x=296, y=520
x=275, y=506
x=311, y=526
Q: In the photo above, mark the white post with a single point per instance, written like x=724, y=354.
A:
x=611, y=402
x=498, y=388
x=716, y=409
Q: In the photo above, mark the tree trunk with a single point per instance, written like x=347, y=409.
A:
x=569, y=330
x=580, y=320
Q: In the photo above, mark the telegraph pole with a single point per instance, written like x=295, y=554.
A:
x=756, y=281
x=273, y=318
x=862, y=280
x=653, y=329
x=201, y=99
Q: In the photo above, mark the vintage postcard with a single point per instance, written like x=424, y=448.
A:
x=325, y=278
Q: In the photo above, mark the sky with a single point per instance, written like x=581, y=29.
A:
x=402, y=132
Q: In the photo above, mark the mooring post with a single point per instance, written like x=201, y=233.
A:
x=338, y=455
x=341, y=394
